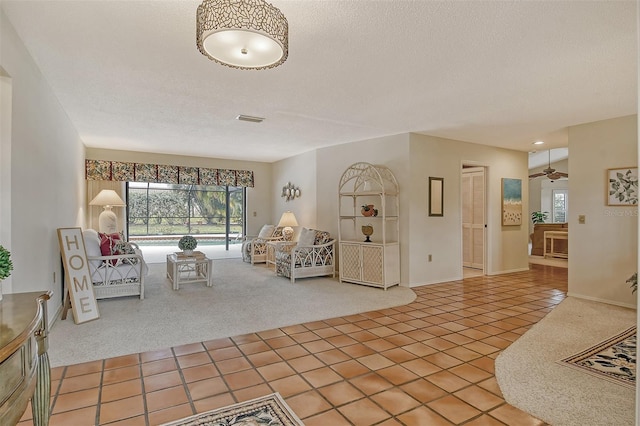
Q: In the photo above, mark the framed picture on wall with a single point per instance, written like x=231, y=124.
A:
x=436, y=196
x=622, y=186
x=511, y=202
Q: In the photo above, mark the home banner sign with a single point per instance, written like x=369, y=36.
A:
x=78, y=284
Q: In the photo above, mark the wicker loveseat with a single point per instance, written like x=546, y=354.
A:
x=254, y=249
x=115, y=275
x=311, y=256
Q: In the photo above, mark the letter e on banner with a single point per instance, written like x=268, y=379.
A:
x=78, y=278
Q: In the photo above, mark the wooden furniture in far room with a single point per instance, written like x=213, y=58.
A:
x=186, y=269
x=552, y=240
x=537, y=238
x=24, y=364
x=374, y=262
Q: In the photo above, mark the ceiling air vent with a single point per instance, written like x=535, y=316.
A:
x=242, y=117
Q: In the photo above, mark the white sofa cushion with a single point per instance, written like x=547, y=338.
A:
x=92, y=246
x=307, y=237
x=266, y=231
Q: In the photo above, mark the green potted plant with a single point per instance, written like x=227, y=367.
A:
x=6, y=266
x=539, y=217
x=633, y=280
x=187, y=244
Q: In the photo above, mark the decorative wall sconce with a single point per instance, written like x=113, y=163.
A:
x=290, y=192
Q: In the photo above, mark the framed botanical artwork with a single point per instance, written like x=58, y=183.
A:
x=436, y=196
x=511, y=202
x=622, y=186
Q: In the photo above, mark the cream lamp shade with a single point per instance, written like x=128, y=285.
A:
x=108, y=198
x=287, y=221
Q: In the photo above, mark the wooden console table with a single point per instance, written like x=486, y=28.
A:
x=24, y=363
x=551, y=236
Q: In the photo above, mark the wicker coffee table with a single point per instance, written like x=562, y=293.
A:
x=186, y=269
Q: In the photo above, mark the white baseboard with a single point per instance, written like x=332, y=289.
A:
x=598, y=299
x=440, y=281
x=55, y=317
x=509, y=271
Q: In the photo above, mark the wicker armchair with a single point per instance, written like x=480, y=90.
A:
x=115, y=275
x=254, y=249
x=303, y=260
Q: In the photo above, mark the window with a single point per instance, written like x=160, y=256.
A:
x=156, y=210
x=560, y=205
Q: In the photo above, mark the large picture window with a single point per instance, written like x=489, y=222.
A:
x=156, y=211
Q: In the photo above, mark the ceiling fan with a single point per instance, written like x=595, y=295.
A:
x=549, y=172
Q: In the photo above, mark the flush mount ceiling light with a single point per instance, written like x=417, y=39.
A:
x=244, y=34
x=538, y=143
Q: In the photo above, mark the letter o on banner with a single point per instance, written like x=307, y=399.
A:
x=76, y=262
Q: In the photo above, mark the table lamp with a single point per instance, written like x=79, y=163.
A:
x=107, y=221
x=287, y=220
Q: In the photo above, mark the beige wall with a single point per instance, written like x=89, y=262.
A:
x=46, y=188
x=259, y=198
x=602, y=252
x=442, y=236
x=390, y=151
x=413, y=158
x=301, y=172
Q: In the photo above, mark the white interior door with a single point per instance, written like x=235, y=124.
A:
x=473, y=221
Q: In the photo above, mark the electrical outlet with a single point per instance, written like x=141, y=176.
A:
x=54, y=277
x=255, y=214
x=430, y=258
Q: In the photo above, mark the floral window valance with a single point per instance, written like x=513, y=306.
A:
x=158, y=173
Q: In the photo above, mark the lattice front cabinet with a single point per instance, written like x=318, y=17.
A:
x=370, y=264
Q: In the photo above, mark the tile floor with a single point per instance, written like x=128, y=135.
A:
x=427, y=363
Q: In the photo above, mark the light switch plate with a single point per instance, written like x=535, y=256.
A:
x=582, y=219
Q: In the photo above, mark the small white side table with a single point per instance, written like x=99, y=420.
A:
x=183, y=269
x=271, y=249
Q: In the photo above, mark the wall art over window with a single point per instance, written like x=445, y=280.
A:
x=622, y=186
x=511, y=202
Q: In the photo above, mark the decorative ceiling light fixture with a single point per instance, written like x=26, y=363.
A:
x=244, y=34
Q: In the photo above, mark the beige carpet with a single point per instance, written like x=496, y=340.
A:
x=244, y=299
x=531, y=378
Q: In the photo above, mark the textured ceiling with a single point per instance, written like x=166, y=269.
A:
x=499, y=73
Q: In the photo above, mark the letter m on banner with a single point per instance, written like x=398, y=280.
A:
x=78, y=285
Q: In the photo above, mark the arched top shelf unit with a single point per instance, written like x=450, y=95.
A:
x=368, y=179
x=376, y=260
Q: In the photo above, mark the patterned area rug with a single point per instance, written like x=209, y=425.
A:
x=267, y=410
x=614, y=359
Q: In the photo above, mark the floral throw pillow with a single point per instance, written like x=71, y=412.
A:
x=122, y=247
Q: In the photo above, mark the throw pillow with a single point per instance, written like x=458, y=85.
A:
x=322, y=237
x=92, y=246
x=266, y=231
x=121, y=247
x=108, y=243
x=307, y=237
